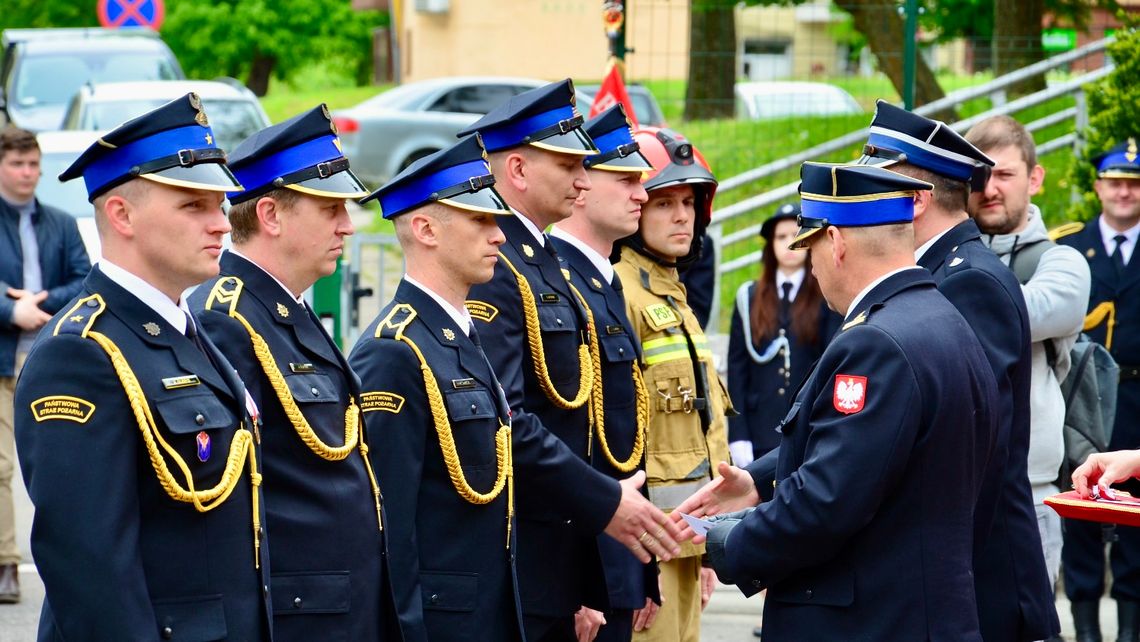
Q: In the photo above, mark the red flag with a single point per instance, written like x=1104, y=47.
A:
x=611, y=92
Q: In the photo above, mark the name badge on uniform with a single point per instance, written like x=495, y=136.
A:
x=660, y=315
x=172, y=383
x=548, y=297
x=302, y=367
x=615, y=329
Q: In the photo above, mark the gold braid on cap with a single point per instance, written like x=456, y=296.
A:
x=226, y=292
x=597, y=405
x=538, y=355
x=504, y=460
x=241, y=446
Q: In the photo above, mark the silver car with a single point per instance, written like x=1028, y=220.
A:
x=234, y=112
x=385, y=134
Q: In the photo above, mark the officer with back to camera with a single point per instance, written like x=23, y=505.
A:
x=135, y=436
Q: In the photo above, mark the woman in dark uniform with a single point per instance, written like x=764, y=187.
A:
x=780, y=326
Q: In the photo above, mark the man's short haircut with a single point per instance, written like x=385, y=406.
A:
x=996, y=132
x=949, y=194
x=243, y=216
x=14, y=139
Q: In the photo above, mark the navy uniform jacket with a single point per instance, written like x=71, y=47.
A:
x=1012, y=584
x=453, y=574
x=869, y=535
x=628, y=581
x=761, y=391
x=328, y=581
x=1122, y=293
x=558, y=562
x=120, y=559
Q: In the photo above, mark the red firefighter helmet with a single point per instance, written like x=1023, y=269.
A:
x=677, y=162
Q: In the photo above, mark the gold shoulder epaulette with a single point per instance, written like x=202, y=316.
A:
x=225, y=292
x=1065, y=230
x=81, y=316
x=860, y=318
x=392, y=327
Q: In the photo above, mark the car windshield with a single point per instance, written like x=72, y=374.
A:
x=71, y=196
x=232, y=120
x=801, y=103
x=401, y=97
x=54, y=79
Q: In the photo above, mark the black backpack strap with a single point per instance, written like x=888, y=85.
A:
x=1023, y=260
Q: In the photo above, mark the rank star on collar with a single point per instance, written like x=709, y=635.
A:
x=849, y=394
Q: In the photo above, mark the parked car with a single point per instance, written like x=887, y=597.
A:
x=764, y=100
x=645, y=105
x=43, y=68
x=59, y=149
x=234, y=111
x=386, y=133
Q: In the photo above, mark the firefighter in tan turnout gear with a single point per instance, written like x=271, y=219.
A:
x=687, y=427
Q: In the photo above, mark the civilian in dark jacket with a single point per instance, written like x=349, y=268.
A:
x=42, y=265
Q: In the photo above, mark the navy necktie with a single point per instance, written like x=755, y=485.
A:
x=1118, y=253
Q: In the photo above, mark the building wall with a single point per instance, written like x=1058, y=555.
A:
x=547, y=39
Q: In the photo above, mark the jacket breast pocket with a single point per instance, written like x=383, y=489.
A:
x=474, y=421
x=449, y=591
x=196, y=619
x=191, y=412
x=556, y=317
x=310, y=593
x=312, y=387
x=617, y=347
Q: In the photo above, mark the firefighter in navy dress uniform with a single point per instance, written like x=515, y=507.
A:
x=535, y=330
x=780, y=326
x=620, y=407
x=440, y=427
x=1015, y=599
x=289, y=226
x=870, y=533
x=1108, y=243
x=135, y=436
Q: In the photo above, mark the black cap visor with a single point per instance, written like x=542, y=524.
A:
x=485, y=200
x=214, y=177
x=574, y=141
x=343, y=184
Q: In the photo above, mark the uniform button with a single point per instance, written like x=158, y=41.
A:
x=434, y=599
x=474, y=409
x=316, y=393
x=809, y=593
x=92, y=304
x=199, y=419
x=780, y=371
x=297, y=602
x=621, y=351
x=780, y=391
x=558, y=321
x=264, y=590
x=167, y=633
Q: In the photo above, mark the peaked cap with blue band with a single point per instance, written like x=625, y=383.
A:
x=612, y=133
x=1121, y=161
x=544, y=117
x=898, y=135
x=301, y=154
x=853, y=196
x=457, y=176
x=172, y=144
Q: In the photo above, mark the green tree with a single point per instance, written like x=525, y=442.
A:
x=257, y=39
x=1114, y=111
x=56, y=13
x=709, y=91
